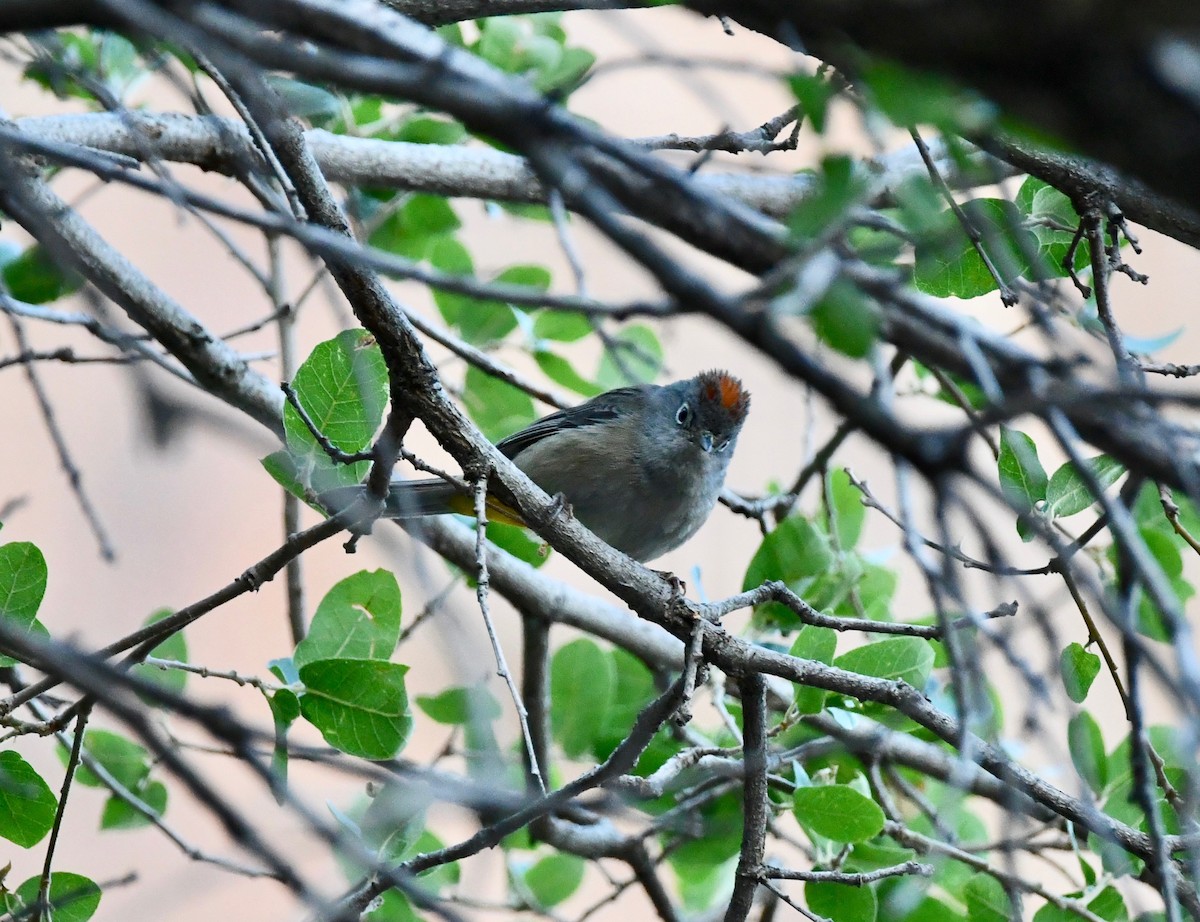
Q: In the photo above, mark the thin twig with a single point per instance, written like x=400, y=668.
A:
x=1007, y=296
x=907, y=868
x=74, y=477
x=482, y=585
x=43, y=897
x=753, y=689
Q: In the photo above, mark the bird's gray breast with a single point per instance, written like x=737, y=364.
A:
x=643, y=506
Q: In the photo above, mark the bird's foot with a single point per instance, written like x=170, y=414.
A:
x=678, y=586
x=560, y=506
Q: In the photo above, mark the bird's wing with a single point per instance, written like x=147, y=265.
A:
x=601, y=409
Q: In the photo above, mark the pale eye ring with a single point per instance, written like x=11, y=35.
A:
x=683, y=415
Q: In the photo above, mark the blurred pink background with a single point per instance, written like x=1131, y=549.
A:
x=188, y=518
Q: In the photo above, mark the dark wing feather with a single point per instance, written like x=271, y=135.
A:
x=601, y=409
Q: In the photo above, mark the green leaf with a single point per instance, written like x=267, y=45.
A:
x=282, y=467
x=875, y=590
x=561, y=326
x=948, y=264
x=392, y=906
x=483, y=323
x=847, y=509
x=1079, y=670
x=840, y=185
x=814, y=643
x=520, y=542
x=410, y=229
x=906, y=659
x=498, y=408
x=427, y=129
x=36, y=278
x=343, y=387
x=1067, y=493
x=1164, y=547
x=986, y=900
x=914, y=97
x=460, y=705
x=394, y=820
x=554, y=878
x=443, y=875
x=451, y=257
x=359, y=618
x=498, y=38
x=1108, y=904
x=877, y=246
x=635, y=357
x=813, y=92
x=127, y=761
x=634, y=689
x=700, y=883
x=360, y=706
x=119, y=64
x=930, y=910
x=718, y=834
x=837, y=812
x=797, y=552
x=361, y=115
x=285, y=710
x=560, y=371
x=173, y=648
x=527, y=276
x=1022, y=478
x=305, y=100
x=72, y=897
x=1044, y=205
x=120, y=815
x=27, y=805
x=567, y=74
x=582, y=685
x=23, y=576
x=841, y=902
x=872, y=856
x=846, y=319
x=1086, y=744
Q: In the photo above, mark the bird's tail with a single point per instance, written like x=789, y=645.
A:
x=412, y=499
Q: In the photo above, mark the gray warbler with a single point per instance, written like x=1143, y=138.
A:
x=641, y=467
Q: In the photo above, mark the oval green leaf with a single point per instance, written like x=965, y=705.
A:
x=1068, y=494
x=841, y=902
x=359, y=618
x=554, y=879
x=582, y=685
x=360, y=706
x=1079, y=670
x=72, y=897
x=908, y=659
x=837, y=812
x=27, y=805
x=1023, y=480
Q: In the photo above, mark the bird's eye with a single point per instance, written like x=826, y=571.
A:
x=683, y=415
x=723, y=445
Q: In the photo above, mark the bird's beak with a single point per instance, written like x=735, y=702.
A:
x=706, y=441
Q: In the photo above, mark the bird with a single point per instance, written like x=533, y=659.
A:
x=641, y=466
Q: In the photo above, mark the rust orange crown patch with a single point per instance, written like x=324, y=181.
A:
x=723, y=388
